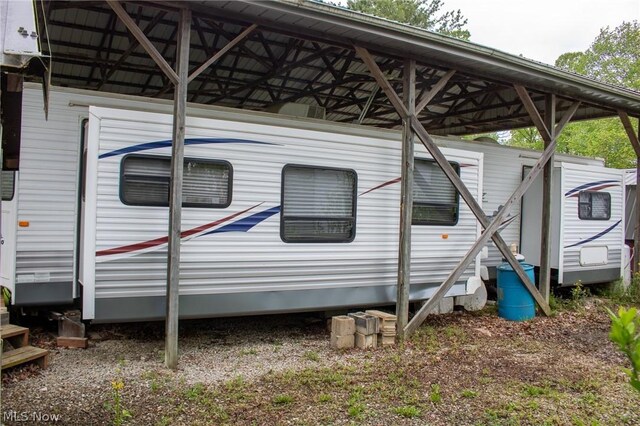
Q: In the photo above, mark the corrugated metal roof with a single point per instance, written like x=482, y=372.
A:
x=302, y=51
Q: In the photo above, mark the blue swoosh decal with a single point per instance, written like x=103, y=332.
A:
x=244, y=225
x=187, y=141
x=595, y=237
x=589, y=185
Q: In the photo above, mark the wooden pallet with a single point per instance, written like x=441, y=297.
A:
x=19, y=339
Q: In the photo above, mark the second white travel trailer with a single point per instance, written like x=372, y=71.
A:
x=280, y=214
x=587, y=234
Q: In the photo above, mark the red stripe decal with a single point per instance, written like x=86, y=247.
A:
x=382, y=185
x=164, y=240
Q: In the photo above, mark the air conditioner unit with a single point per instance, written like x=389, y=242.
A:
x=298, y=110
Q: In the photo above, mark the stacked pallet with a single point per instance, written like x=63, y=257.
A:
x=387, y=327
x=363, y=330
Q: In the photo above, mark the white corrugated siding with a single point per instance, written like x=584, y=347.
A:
x=259, y=260
x=576, y=230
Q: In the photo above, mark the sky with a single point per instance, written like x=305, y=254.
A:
x=542, y=29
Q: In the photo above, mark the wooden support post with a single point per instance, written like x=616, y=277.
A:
x=175, y=195
x=544, y=282
x=490, y=227
x=489, y=231
x=635, y=267
x=406, y=200
x=635, y=142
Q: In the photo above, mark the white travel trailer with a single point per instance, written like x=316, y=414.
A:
x=280, y=214
x=587, y=227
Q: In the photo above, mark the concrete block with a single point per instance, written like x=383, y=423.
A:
x=343, y=325
x=364, y=341
x=385, y=340
x=444, y=307
x=342, y=342
x=365, y=324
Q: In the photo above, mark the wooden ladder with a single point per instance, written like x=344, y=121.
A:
x=23, y=352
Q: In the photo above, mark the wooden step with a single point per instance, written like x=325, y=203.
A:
x=25, y=354
x=17, y=336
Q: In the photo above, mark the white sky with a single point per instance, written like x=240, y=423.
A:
x=542, y=29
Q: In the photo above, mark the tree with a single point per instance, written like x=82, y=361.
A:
x=418, y=13
x=614, y=58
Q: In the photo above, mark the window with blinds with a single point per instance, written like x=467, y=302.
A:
x=593, y=205
x=435, y=199
x=318, y=205
x=8, y=184
x=144, y=181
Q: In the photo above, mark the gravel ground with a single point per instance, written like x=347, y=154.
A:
x=235, y=370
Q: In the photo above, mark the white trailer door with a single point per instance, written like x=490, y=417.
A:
x=8, y=240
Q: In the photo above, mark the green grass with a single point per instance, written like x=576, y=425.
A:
x=468, y=393
x=282, y=399
x=435, y=396
x=408, y=411
x=312, y=356
x=324, y=398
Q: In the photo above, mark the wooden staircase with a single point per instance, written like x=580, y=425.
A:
x=18, y=337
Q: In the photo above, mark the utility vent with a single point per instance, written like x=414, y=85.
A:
x=298, y=110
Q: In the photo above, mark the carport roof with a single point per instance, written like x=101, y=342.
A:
x=303, y=52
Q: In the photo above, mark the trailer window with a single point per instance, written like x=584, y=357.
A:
x=593, y=205
x=8, y=184
x=318, y=205
x=435, y=199
x=145, y=182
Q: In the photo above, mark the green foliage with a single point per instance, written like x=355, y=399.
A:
x=625, y=332
x=120, y=413
x=435, y=396
x=630, y=294
x=468, y=393
x=418, y=13
x=614, y=58
x=282, y=399
x=408, y=411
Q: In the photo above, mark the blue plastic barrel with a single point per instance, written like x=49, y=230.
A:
x=515, y=303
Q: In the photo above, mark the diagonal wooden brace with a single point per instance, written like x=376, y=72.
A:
x=220, y=53
x=143, y=40
x=490, y=227
x=466, y=195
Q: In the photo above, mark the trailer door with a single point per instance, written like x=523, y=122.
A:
x=8, y=239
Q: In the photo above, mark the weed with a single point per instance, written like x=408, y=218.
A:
x=435, y=396
x=282, y=399
x=164, y=421
x=621, y=294
x=195, y=391
x=120, y=414
x=468, y=393
x=246, y=352
x=407, y=411
x=532, y=390
x=312, y=356
x=324, y=397
x=355, y=407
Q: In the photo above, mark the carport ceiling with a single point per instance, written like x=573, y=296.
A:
x=303, y=52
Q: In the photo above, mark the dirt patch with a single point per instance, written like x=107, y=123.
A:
x=457, y=369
